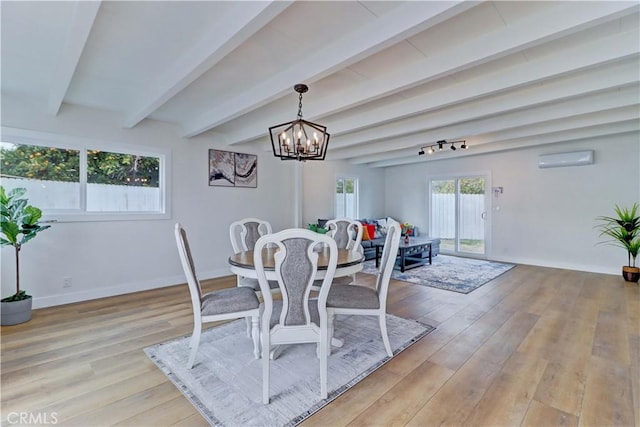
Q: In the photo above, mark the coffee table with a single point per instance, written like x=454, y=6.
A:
x=410, y=254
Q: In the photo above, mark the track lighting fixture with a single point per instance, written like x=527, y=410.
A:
x=431, y=148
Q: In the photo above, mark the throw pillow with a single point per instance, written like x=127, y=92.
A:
x=365, y=234
x=372, y=230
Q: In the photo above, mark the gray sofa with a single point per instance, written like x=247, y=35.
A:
x=370, y=249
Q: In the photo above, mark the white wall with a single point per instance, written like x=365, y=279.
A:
x=319, y=186
x=546, y=216
x=107, y=258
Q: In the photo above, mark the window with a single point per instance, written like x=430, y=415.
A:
x=72, y=180
x=346, y=197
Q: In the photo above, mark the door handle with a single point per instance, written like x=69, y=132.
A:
x=484, y=215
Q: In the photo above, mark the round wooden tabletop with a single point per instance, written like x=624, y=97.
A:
x=346, y=258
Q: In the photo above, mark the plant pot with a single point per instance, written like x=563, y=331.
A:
x=14, y=312
x=631, y=274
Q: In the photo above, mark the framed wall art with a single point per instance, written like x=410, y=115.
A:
x=229, y=169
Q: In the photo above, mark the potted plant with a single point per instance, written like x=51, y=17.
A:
x=19, y=223
x=624, y=230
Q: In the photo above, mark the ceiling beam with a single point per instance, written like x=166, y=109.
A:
x=592, y=81
x=589, y=132
x=84, y=15
x=520, y=36
x=627, y=96
x=245, y=21
x=389, y=29
x=613, y=119
x=560, y=21
x=588, y=56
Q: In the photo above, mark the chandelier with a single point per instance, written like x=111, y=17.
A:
x=299, y=139
x=440, y=144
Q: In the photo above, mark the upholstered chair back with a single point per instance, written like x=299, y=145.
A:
x=346, y=232
x=388, y=259
x=245, y=233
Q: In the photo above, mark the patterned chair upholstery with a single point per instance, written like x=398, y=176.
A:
x=244, y=234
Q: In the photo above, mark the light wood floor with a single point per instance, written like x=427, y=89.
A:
x=536, y=346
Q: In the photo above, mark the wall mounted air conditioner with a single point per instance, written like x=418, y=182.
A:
x=574, y=158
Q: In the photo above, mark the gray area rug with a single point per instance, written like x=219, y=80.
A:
x=225, y=384
x=451, y=273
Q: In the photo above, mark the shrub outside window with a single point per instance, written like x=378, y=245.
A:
x=86, y=182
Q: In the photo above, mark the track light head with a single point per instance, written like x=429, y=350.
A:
x=430, y=150
x=464, y=145
x=421, y=152
x=440, y=145
x=453, y=147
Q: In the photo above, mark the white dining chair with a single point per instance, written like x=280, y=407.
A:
x=348, y=235
x=366, y=301
x=346, y=232
x=223, y=304
x=297, y=318
x=244, y=234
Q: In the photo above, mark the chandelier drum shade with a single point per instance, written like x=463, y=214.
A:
x=299, y=139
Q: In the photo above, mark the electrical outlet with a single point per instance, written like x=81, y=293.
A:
x=66, y=282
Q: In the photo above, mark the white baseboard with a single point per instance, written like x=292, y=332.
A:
x=121, y=289
x=562, y=265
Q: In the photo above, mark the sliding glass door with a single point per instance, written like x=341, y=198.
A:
x=458, y=214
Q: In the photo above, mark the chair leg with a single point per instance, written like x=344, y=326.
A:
x=255, y=333
x=324, y=346
x=330, y=318
x=265, y=367
x=385, y=336
x=248, y=321
x=195, y=342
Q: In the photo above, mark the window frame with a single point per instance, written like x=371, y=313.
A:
x=45, y=139
x=356, y=190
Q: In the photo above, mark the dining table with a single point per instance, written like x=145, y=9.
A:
x=349, y=262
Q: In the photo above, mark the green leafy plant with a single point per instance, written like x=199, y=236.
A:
x=623, y=230
x=19, y=223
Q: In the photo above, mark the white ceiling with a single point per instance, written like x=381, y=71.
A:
x=385, y=77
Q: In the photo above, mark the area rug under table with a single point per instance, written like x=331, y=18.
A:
x=451, y=273
x=225, y=384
